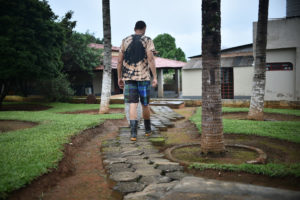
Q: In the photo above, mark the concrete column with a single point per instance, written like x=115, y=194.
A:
x=177, y=80
x=160, y=83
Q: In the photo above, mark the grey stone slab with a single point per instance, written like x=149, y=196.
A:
x=118, y=165
x=120, y=169
x=170, y=168
x=176, y=175
x=162, y=161
x=125, y=176
x=129, y=187
x=132, y=153
x=154, y=155
x=151, y=192
x=150, y=171
x=110, y=161
x=138, y=161
x=199, y=188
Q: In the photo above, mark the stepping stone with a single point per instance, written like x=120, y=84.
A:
x=152, y=191
x=125, y=176
x=110, y=161
x=154, y=179
x=162, y=161
x=118, y=165
x=129, y=187
x=190, y=188
x=150, y=171
x=132, y=153
x=176, y=175
x=170, y=168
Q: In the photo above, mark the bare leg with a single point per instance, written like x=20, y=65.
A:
x=146, y=112
x=133, y=111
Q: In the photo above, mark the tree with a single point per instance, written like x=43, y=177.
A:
x=31, y=42
x=78, y=56
x=212, y=139
x=166, y=47
x=106, y=78
x=259, y=78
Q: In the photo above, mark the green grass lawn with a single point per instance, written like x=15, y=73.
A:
x=284, y=130
x=26, y=154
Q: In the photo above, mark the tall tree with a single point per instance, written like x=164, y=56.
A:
x=31, y=42
x=212, y=139
x=259, y=78
x=106, y=78
x=166, y=47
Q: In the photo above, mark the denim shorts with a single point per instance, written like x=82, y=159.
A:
x=135, y=91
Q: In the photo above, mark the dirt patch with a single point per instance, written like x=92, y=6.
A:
x=11, y=125
x=278, y=151
x=80, y=174
x=267, y=116
x=94, y=111
x=23, y=107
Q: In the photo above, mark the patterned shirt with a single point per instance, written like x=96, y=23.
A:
x=135, y=62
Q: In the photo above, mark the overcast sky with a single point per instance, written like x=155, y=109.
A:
x=180, y=18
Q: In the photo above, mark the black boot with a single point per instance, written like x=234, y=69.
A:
x=133, y=127
x=147, y=124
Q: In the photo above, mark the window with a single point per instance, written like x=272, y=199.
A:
x=284, y=66
x=227, y=82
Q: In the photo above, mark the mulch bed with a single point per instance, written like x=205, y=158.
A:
x=11, y=125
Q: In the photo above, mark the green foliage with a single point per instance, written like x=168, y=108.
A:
x=286, y=130
x=78, y=56
x=26, y=154
x=31, y=41
x=269, y=169
x=166, y=47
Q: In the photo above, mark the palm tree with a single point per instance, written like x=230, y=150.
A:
x=259, y=78
x=212, y=139
x=106, y=77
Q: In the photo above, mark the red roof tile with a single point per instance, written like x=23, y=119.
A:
x=159, y=62
x=101, y=46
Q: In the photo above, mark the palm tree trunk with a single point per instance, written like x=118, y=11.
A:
x=259, y=78
x=212, y=139
x=106, y=78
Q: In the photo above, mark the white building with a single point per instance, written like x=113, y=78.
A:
x=283, y=64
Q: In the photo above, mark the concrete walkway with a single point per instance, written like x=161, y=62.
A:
x=142, y=173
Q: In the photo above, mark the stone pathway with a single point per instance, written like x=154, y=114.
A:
x=141, y=172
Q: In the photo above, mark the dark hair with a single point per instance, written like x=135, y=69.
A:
x=139, y=25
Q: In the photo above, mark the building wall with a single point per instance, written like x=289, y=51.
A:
x=280, y=85
x=192, y=83
x=283, y=34
x=242, y=78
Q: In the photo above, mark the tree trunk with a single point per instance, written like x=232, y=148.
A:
x=106, y=78
x=212, y=139
x=259, y=78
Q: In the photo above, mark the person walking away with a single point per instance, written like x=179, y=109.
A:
x=134, y=64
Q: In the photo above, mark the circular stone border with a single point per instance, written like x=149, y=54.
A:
x=261, y=159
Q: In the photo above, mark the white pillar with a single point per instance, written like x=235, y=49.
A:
x=177, y=80
x=160, y=83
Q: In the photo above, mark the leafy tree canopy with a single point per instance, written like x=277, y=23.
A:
x=31, y=41
x=78, y=56
x=166, y=47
